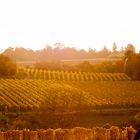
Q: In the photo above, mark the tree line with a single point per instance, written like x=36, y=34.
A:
x=60, y=52
x=130, y=63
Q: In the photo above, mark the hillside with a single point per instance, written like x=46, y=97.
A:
x=65, y=95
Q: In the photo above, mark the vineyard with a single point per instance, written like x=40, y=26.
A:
x=70, y=76
x=59, y=100
x=78, y=133
x=68, y=96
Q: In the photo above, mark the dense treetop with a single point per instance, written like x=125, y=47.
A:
x=7, y=66
x=60, y=52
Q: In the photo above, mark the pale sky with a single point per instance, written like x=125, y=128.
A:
x=75, y=23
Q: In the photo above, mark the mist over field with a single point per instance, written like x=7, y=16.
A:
x=69, y=70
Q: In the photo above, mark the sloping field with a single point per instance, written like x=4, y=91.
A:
x=70, y=76
x=68, y=96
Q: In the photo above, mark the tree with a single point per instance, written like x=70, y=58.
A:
x=7, y=66
x=104, y=52
x=132, y=64
x=91, y=53
x=130, y=47
x=114, y=48
x=9, y=52
x=85, y=66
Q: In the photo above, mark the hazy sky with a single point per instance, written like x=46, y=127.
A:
x=76, y=23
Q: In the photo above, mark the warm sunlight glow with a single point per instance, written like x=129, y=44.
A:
x=75, y=23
